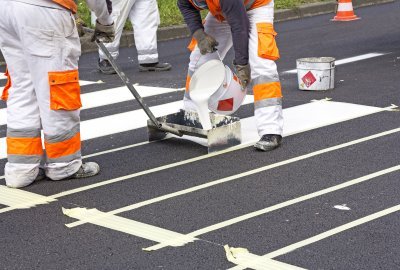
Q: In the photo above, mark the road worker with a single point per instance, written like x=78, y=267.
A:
x=40, y=44
x=145, y=18
x=248, y=26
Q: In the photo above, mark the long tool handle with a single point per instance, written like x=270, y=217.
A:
x=134, y=92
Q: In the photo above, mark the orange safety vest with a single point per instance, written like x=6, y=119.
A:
x=68, y=4
x=215, y=8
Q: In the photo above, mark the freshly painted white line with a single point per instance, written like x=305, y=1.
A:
x=347, y=60
x=212, y=183
x=120, y=94
x=108, y=97
x=115, y=150
x=127, y=226
x=121, y=122
x=278, y=206
x=334, y=231
x=327, y=234
x=243, y=258
x=84, y=83
x=20, y=199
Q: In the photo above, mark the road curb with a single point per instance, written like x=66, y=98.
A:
x=181, y=31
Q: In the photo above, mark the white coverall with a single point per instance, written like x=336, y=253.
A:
x=264, y=74
x=40, y=43
x=145, y=19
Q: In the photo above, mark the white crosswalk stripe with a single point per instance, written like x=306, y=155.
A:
x=109, y=96
x=121, y=122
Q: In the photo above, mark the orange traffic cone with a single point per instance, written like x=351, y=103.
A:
x=345, y=11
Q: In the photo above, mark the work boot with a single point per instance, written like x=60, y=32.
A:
x=87, y=169
x=268, y=142
x=105, y=67
x=155, y=67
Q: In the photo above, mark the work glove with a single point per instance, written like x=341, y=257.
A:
x=104, y=33
x=206, y=43
x=244, y=74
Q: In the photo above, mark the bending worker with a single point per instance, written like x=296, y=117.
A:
x=145, y=18
x=248, y=26
x=40, y=43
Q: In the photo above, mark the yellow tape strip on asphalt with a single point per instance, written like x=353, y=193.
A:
x=20, y=199
x=327, y=234
x=127, y=226
x=278, y=206
x=223, y=180
x=243, y=258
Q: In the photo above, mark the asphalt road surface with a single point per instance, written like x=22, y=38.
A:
x=327, y=199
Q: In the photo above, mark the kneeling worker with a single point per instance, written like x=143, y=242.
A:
x=40, y=43
x=248, y=26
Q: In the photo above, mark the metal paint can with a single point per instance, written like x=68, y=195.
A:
x=316, y=73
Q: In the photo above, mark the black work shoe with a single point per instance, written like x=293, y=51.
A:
x=105, y=67
x=155, y=67
x=268, y=142
x=87, y=169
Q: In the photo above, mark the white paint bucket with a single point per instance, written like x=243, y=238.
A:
x=222, y=86
x=316, y=73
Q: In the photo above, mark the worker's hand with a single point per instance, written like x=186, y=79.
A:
x=206, y=43
x=244, y=74
x=104, y=33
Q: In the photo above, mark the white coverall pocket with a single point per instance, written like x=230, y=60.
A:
x=39, y=42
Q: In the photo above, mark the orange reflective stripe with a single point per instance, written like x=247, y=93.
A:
x=65, y=92
x=24, y=146
x=64, y=148
x=68, y=4
x=188, y=78
x=267, y=90
x=4, y=95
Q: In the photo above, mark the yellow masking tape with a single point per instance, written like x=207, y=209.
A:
x=20, y=199
x=128, y=226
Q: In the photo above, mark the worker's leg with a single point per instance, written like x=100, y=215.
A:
x=120, y=13
x=145, y=20
x=265, y=79
x=52, y=50
x=24, y=146
x=222, y=33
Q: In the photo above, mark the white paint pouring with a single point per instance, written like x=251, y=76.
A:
x=206, y=80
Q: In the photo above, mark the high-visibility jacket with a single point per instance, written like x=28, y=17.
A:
x=215, y=8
